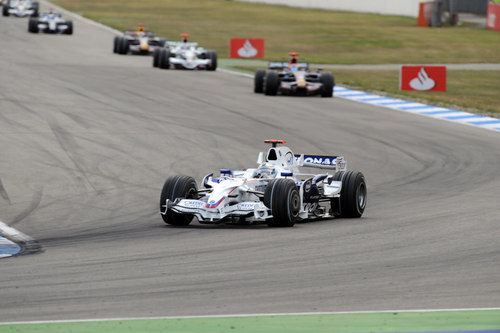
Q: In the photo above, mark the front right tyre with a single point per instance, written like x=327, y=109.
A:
x=259, y=81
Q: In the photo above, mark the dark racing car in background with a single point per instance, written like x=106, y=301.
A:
x=293, y=78
x=138, y=41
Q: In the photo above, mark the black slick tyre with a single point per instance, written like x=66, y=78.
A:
x=156, y=57
x=35, y=7
x=116, y=42
x=164, y=59
x=69, y=29
x=353, y=195
x=177, y=187
x=5, y=8
x=258, y=86
x=272, y=83
x=123, y=48
x=212, y=55
x=33, y=25
x=328, y=82
x=282, y=198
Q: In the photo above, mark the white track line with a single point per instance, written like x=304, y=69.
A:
x=246, y=315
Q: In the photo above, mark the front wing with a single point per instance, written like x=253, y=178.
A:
x=253, y=210
x=190, y=64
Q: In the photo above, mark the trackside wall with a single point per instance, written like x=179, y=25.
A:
x=389, y=7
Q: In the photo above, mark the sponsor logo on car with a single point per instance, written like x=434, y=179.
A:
x=246, y=206
x=193, y=204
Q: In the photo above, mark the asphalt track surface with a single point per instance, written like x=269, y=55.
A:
x=87, y=139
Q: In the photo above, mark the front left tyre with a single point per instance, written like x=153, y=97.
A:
x=177, y=187
x=353, y=195
x=283, y=199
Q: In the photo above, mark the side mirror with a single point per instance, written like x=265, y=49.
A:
x=260, y=159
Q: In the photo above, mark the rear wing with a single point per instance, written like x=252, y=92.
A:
x=176, y=44
x=282, y=65
x=321, y=162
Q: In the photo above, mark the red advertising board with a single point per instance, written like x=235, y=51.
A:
x=493, y=16
x=424, y=14
x=247, y=48
x=422, y=78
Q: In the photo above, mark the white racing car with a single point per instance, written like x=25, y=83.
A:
x=275, y=192
x=184, y=55
x=50, y=23
x=20, y=8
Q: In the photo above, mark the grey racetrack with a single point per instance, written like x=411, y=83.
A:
x=88, y=137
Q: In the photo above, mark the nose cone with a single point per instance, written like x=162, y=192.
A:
x=301, y=83
x=144, y=46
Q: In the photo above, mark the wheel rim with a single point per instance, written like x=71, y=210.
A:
x=361, y=196
x=294, y=204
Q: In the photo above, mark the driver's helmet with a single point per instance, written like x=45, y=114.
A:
x=293, y=58
x=185, y=38
x=265, y=170
x=141, y=28
x=51, y=11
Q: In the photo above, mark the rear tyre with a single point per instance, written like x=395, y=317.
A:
x=164, y=59
x=259, y=81
x=353, y=195
x=282, y=198
x=156, y=57
x=69, y=29
x=272, y=83
x=35, y=6
x=5, y=8
x=177, y=187
x=212, y=55
x=328, y=83
x=33, y=25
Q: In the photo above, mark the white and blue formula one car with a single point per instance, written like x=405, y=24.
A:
x=184, y=55
x=51, y=23
x=275, y=192
x=20, y=8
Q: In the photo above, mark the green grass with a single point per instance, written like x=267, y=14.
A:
x=475, y=91
x=327, y=323
x=321, y=36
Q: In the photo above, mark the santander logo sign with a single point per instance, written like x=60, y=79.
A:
x=422, y=81
x=246, y=48
x=423, y=78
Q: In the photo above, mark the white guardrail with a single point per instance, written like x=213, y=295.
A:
x=389, y=7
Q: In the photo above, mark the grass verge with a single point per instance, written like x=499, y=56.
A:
x=438, y=321
x=321, y=36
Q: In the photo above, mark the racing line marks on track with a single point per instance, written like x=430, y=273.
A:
x=14, y=242
x=419, y=108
